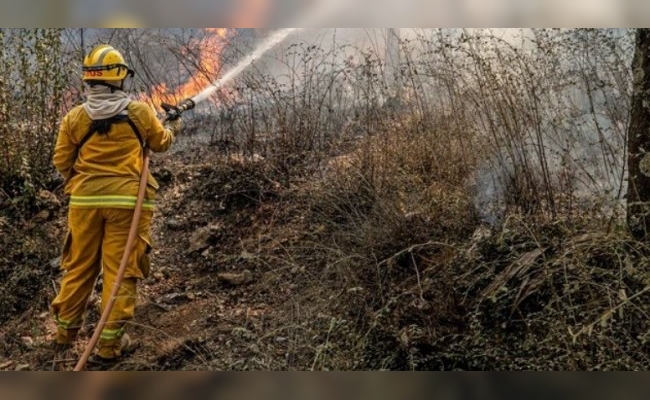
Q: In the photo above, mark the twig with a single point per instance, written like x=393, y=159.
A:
x=319, y=349
x=416, y=246
x=607, y=314
x=417, y=275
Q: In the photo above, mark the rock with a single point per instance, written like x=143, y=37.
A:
x=42, y=216
x=173, y=298
x=49, y=199
x=203, y=237
x=236, y=278
x=55, y=263
x=27, y=341
x=163, y=176
x=175, y=225
x=297, y=269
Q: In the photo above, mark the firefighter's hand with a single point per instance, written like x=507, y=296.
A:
x=174, y=125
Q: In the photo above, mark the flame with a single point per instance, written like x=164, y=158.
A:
x=207, y=52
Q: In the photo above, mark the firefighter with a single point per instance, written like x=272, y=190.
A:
x=99, y=151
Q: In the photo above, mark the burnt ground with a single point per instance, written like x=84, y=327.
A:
x=211, y=301
x=258, y=268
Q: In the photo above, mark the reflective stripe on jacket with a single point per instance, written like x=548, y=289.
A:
x=105, y=171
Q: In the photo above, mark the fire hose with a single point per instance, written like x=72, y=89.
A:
x=173, y=112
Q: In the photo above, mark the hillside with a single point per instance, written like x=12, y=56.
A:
x=403, y=199
x=254, y=273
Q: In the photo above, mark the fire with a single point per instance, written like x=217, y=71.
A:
x=206, y=52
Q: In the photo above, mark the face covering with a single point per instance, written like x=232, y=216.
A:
x=103, y=103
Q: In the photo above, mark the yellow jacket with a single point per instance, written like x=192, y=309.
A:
x=105, y=171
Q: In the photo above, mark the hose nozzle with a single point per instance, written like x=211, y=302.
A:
x=174, y=112
x=186, y=104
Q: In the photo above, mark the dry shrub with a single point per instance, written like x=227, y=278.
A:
x=415, y=289
x=26, y=266
x=33, y=78
x=535, y=294
x=400, y=187
x=32, y=84
x=375, y=267
x=390, y=214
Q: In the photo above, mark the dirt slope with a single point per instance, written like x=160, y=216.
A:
x=208, y=302
x=253, y=271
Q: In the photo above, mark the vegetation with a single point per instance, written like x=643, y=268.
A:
x=461, y=209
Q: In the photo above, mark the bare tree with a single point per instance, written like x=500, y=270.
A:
x=638, y=193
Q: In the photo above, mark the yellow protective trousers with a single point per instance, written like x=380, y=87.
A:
x=96, y=240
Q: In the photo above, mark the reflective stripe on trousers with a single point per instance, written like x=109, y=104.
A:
x=77, y=201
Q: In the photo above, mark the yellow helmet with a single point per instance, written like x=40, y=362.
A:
x=104, y=63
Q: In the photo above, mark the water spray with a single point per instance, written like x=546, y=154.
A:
x=175, y=111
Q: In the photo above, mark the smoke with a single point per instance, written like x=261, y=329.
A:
x=550, y=109
x=576, y=147
x=566, y=139
x=565, y=94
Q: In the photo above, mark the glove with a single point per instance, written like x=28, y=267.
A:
x=174, y=126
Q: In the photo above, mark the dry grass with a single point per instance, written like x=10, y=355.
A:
x=361, y=229
x=399, y=273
